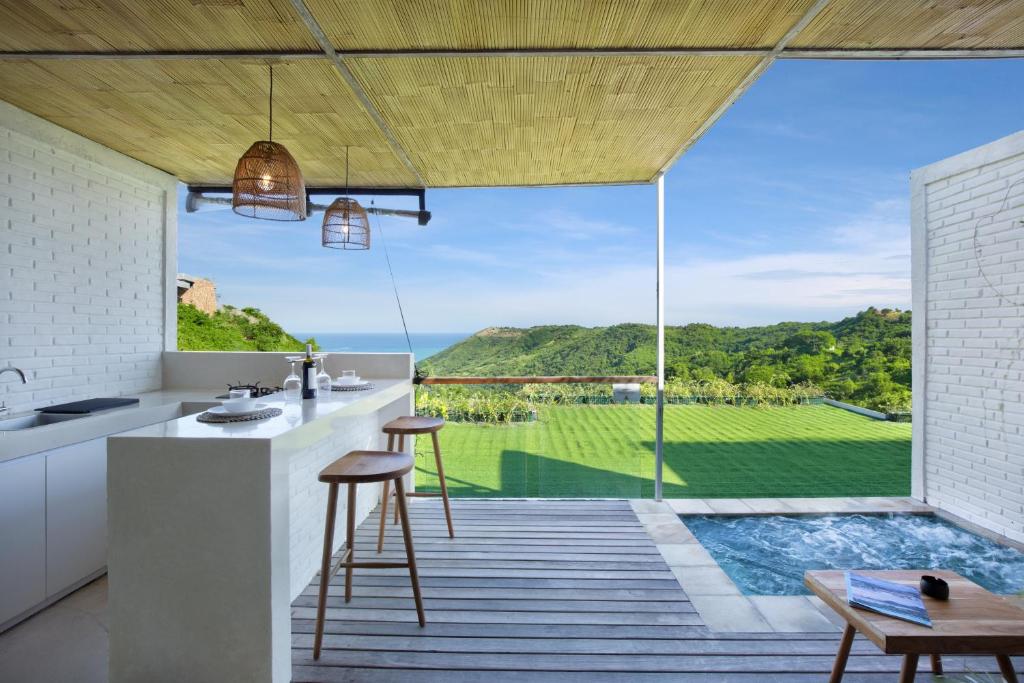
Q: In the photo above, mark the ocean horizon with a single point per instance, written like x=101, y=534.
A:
x=424, y=344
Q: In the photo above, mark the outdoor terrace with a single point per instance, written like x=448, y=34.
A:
x=532, y=590
x=559, y=590
x=449, y=95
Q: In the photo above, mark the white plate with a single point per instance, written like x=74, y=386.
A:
x=360, y=383
x=221, y=410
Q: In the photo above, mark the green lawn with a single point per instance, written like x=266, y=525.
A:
x=710, y=452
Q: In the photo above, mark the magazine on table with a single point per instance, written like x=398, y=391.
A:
x=886, y=597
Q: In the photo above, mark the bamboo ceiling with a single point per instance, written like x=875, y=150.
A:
x=441, y=120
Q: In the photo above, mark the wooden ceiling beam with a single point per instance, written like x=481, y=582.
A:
x=901, y=54
x=318, y=33
x=172, y=55
x=291, y=55
x=744, y=85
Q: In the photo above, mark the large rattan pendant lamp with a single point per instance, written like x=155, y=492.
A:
x=346, y=225
x=268, y=183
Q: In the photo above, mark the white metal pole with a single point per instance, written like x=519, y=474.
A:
x=659, y=419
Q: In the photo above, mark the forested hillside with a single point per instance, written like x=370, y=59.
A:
x=864, y=359
x=232, y=329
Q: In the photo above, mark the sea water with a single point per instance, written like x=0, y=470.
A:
x=424, y=344
x=767, y=555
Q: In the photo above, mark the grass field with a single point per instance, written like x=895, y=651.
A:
x=710, y=452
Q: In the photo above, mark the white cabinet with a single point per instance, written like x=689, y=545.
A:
x=22, y=535
x=76, y=513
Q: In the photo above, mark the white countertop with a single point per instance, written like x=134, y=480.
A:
x=160, y=414
x=295, y=414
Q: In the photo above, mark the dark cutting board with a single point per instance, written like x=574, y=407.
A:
x=89, y=405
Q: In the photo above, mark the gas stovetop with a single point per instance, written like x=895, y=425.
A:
x=255, y=390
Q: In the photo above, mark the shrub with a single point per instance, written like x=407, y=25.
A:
x=503, y=405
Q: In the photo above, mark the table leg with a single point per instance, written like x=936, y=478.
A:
x=350, y=534
x=401, y=449
x=936, y=664
x=909, y=668
x=325, y=569
x=1006, y=668
x=843, y=654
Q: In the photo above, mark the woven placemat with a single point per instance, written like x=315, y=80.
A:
x=221, y=419
x=352, y=387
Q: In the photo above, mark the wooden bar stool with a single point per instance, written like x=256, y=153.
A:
x=362, y=467
x=402, y=427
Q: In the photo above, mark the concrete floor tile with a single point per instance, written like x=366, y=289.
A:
x=671, y=532
x=652, y=519
x=704, y=580
x=650, y=507
x=66, y=642
x=768, y=506
x=792, y=614
x=730, y=613
x=729, y=506
x=689, y=506
x=686, y=555
x=826, y=611
x=817, y=505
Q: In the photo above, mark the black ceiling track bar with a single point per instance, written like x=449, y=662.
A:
x=419, y=192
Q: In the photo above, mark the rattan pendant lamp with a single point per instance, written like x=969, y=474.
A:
x=268, y=183
x=346, y=225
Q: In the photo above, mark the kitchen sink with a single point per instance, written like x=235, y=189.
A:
x=14, y=424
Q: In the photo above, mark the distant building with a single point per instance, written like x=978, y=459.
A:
x=626, y=393
x=197, y=291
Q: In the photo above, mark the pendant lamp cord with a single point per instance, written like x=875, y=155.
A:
x=398, y=299
x=346, y=170
x=271, y=102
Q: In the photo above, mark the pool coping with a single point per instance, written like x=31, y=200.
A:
x=720, y=603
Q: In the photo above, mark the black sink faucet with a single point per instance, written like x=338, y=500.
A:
x=24, y=380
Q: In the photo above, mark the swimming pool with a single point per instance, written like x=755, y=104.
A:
x=768, y=554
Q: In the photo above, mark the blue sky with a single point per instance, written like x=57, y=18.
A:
x=794, y=206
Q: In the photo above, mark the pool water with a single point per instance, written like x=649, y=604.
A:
x=768, y=554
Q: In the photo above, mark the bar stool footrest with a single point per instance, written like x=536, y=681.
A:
x=341, y=562
x=376, y=565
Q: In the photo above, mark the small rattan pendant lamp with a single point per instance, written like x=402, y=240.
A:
x=346, y=225
x=268, y=183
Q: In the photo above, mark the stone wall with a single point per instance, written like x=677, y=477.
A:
x=202, y=294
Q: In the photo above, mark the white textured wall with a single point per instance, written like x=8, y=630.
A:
x=969, y=335
x=308, y=496
x=191, y=369
x=83, y=233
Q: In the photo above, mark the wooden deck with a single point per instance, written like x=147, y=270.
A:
x=547, y=591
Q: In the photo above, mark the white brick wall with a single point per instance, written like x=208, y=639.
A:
x=83, y=234
x=969, y=335
x=308, y=496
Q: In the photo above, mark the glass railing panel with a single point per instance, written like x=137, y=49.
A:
x=546, y=440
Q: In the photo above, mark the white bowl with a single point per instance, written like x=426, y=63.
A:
x=239, y=405
x=348, y=380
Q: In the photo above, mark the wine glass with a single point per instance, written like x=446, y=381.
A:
x=323, y=380
x=292, y=384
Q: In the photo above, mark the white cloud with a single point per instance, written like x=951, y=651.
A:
x=863, y=261
x=858, y=262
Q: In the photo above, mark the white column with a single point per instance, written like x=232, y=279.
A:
x=659, y=420
x=919, y=331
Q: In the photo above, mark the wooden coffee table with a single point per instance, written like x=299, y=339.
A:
x=972, y=622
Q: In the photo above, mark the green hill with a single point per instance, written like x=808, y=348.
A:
x=232, y=329
x=864, y=359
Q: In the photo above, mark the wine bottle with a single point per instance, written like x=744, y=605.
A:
x=308, y=374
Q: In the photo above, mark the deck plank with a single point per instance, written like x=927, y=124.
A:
x=560, y=591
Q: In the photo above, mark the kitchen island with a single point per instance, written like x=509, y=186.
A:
x=215, y=528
